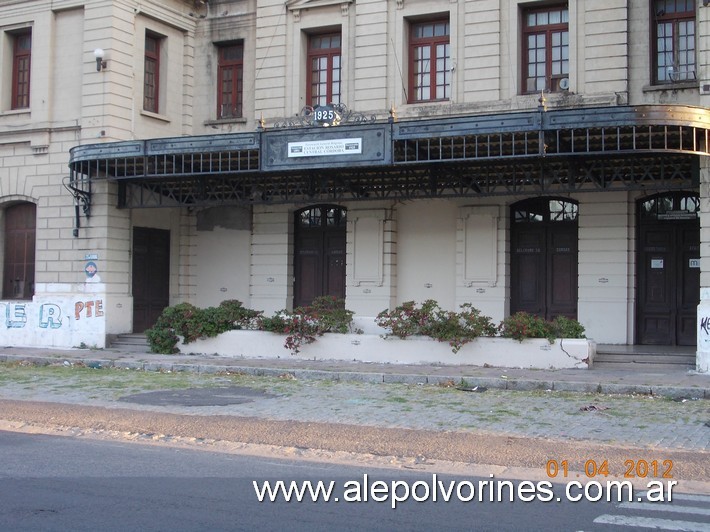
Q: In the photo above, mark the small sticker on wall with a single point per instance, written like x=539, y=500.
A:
x=693, y=263
x=657, y=264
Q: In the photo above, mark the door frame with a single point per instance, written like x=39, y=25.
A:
x=159, y=298
x=538, y=212
x=679, y=220
x=328, y=255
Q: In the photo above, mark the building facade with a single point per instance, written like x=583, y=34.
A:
x=542, y=156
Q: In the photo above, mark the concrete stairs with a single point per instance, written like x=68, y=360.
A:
x=644, y=357
x=131, y=343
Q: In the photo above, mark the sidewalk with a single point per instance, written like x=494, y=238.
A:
x=668, y=383
x=359, y=415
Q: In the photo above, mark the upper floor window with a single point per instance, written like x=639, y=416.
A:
x=21, y=59
x=673, y=40
x=230, y=81
x=545, y=48
x=324, y=57
x=151, y=74
x=429, y=61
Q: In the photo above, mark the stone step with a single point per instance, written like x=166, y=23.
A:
x=645, y=358
x=131, y=342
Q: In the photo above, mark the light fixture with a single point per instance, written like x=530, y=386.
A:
x=99, y=55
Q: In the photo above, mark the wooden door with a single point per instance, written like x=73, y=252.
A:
x=19, y=258
x=544, y=258
x=668, y=284
x=151, y=276
x=319, y=254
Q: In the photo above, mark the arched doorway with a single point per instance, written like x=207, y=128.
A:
x=319, y=253
x=668, y=268
x=544, y=257
x=19, y=251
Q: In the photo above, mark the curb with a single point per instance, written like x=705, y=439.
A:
x=513, y=384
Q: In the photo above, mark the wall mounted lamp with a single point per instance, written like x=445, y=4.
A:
x=99, y=55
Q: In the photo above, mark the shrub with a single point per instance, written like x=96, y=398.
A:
x=568, y=328
x=192, y=323
x=456, y=328
x=406, y=319
x=304, y=324
x=523, y=325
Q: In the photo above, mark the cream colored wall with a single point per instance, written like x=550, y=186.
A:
x=237, y=22
x=371, y=257
x=271, y=272
x=640, y=88
x=271, y=50
x=485, y=54
x=482, y=256
x=426, y=252
x=175, y=68
x=223, y=268
x=606, y=266
x=66, y=66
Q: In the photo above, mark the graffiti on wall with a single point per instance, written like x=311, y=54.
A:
x=50, y=314
x=89, y=308
x=704, y=332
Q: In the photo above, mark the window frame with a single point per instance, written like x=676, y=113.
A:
x=674, y=19
x=552, y=81
x=330, y=54
x=431, y=43
x=236, y=68
x=21, y=98
x=151, y=80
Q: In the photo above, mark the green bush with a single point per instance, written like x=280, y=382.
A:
x=192, y=323
x=568, y=328
x=523, y=325
x=456, y=328
x=304, y=324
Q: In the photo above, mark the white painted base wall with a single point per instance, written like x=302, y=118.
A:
x=500, y=352
x=62, y=316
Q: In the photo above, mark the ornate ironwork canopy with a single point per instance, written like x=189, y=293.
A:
x=562, y=150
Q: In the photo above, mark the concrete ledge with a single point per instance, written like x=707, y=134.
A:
x=533, y=353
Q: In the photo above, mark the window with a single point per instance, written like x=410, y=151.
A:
x=546, y=48
x=324, y=69
x=673, y=40
x=21, y=55
x=19, y=262
x=230, y=81
x=151, y=75
x=429, y=61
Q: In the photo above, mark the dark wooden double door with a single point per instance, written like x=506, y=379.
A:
x=151, y=276
x=544, y=271
x=544, y=258
x=319, y=253
x=668, y=271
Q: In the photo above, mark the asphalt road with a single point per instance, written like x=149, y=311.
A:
x=533, y=454
x=58, y=483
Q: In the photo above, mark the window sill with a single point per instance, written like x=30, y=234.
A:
x=220, y=121
x=680, y=85
x=157, y=116
x=428, y=102
x=15, y=112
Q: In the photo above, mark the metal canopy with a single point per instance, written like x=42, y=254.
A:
x=649, y=147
